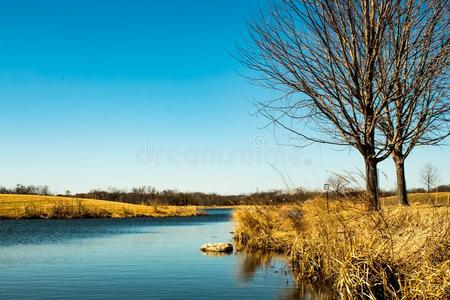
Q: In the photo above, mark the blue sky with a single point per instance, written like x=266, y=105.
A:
x=96, y=94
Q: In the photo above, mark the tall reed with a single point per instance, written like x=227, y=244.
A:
x=397, y=253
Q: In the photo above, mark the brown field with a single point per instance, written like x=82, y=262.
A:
x=31, y=206
x=441, y=198
x=397, y=253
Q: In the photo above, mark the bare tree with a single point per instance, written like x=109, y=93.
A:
x=429, y=175
x=339, y=184
x=323, y=57
x=414, y=67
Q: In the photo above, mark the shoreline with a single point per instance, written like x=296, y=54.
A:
x=22, y=207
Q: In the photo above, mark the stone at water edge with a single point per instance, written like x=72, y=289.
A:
x=217, y=247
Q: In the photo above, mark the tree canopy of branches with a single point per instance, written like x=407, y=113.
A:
x=415, y=62
x=331, y=60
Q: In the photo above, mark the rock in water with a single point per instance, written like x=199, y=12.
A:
x=217, y=247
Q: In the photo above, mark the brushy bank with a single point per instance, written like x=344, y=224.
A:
x=398, y=253
x=51, y=207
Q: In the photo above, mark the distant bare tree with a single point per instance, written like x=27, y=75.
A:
x=339, y=184
x=429, y=175
x=414, y=67
x=44, y=190
x=323, y=56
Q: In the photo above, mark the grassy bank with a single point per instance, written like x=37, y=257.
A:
x=30, y=207
x=441, y=198
x=398, y=253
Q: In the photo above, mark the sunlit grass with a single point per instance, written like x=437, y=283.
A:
x=32, y=206
x=440, y=198
x=399, y=252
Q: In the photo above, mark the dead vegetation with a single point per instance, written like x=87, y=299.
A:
x=396, y=253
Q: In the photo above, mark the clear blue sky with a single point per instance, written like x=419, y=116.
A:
x=125, y=93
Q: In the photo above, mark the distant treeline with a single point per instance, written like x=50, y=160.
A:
x=150, y=196
x=26, y=190
x=439, y=188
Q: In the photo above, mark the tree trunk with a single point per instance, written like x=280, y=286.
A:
x=402, y=195
x=372, y=183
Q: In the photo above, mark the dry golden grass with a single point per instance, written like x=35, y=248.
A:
x=441, y=198
x=397, y=253
x=31, y=206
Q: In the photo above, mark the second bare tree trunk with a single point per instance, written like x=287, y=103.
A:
x=372, y=183
x=402, y=195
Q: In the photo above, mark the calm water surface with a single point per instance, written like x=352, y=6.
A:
x=134, y=259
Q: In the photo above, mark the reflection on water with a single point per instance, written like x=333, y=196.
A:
x=133, y=259
x=306, y=293
x=251, y=262
x=210, y=253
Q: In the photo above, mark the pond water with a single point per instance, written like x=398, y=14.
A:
x=143, y=258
